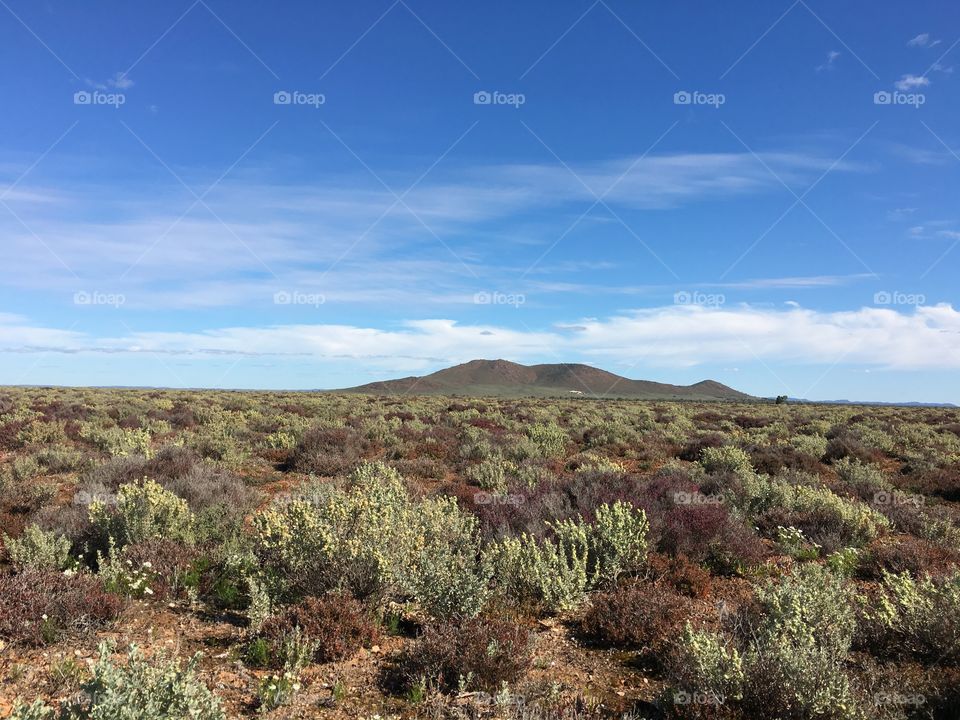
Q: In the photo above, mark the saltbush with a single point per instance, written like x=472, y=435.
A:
x=39, y=549
x=144, y=511
x=374, y=541
x=138, y=690
x=909, y=616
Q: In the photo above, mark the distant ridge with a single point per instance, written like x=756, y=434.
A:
x=502, y=378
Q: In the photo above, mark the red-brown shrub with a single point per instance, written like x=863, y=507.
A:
x=329, y=451
x=487, y=651
x=337, y=623
x=677, y=571
x=645, y=616
x=693, y=449
x=770, y=459
x=38, y=607
x=173, y=565
x=908, y=554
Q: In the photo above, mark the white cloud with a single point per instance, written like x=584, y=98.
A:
x=911, y=82
x=119, y=81
x=828, y=63
x=926, y=337
x=923, y=40
x=288, y=236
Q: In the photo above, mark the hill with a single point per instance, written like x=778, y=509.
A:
x=502, y=378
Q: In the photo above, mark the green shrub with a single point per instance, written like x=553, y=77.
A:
x=708, y=665
x=555, y=573
x=118, y=442
x=59, y=458
x=138, y=690
x=913, y=617
x=726, y=458
x=374, y=542
x=787, y=661
x=491, y=474
x=144, y=511
x=39, y=549
x=539, y=573
x=548, y=441
x=823, y=516
x=24, y=468
x=813, y=445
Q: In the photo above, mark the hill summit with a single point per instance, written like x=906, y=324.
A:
x=502, y=378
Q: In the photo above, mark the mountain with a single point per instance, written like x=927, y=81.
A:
x=501, y=378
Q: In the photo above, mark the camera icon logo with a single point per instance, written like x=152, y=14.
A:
x=82, y=97
x=282, y=297
x=482, y=98
x=682, y=97
x=882, y=298
x=882, y=97
x=282, y=97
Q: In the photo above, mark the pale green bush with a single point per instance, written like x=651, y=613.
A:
x=815, y=445
x=914, y=617
x=116, y=441
x=548, y=439
x=789, y=662
x=373, y=541
x=555, y=574
x=39, y=549
x=617, y=542
x=707, y=663
x=24, y=468
x=535, y=572
x=43, y=433
x=855, y=521
x=144, y=511
x=445, y=574
x=139, y=690
x=726, y=458
x=491, y=474
x=863, y=478
x=59, y=458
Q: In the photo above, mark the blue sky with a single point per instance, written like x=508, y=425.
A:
x=316, y=195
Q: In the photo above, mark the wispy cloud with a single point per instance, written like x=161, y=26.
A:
x=923, y=40
x=926, y=337
x=832, y=57
x=911, y=82
x=350, y=240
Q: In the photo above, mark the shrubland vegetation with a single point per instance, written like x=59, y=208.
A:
x=355, y=556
